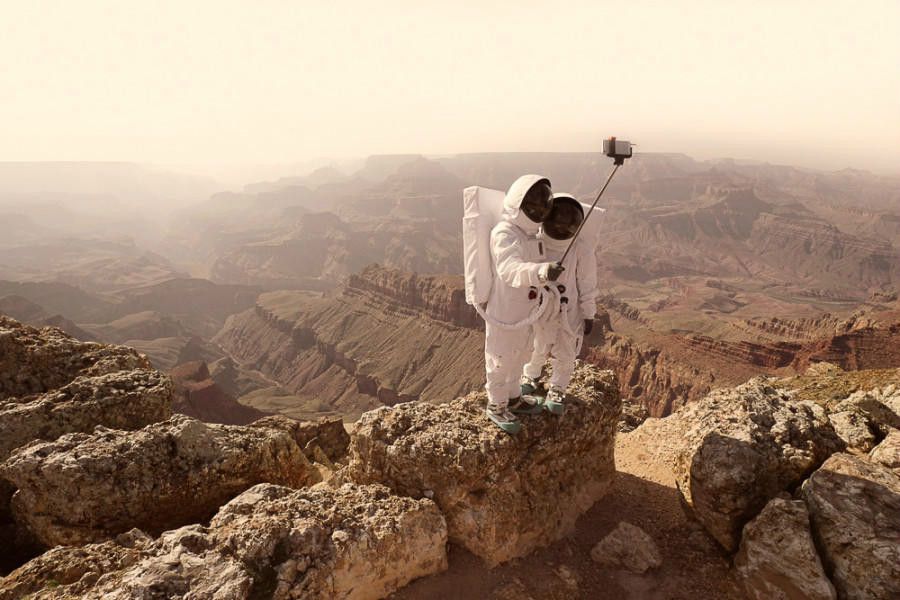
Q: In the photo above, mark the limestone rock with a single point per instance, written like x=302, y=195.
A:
x=854, y=430
x=854, y=508
x=328, y=433
x=51, y=385
x=122, y=400
x=355, y=542
x=865, y=417
x=78, y=566
x=777, y=559
x=33, y=361
x=740, y=447
x=182, y=563
x=880, y=406
x=88, y=487
x=502, y=495
x=887, y=452
x=628, y=547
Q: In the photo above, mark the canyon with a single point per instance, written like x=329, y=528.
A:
x=338, y=291
x=277, y=393
x=386, y=337
x=390, y=336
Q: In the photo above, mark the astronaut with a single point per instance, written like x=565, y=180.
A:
x=560, y=331
x=521, y=270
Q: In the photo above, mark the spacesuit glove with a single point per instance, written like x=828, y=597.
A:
x=554, y=270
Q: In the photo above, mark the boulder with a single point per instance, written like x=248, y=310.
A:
x=740, y=447
x=865, y=417
x=880, y=406
x=328, y=433
x=627, y=547
x=854, y=508
x=777, y=559
x=121, y=400
x=33, y=361
x=854, y=429
x=64, y=566
x=887, y=452
x=89, y=487
x=503, y=496
x=354, y=542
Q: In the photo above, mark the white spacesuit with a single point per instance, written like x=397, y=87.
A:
x=521, y=269
x=560, y=331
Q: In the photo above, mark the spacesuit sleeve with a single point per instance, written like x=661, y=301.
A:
x=586, y=280
x=509, y=262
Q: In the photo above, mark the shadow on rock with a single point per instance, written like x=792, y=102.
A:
x=565, y=570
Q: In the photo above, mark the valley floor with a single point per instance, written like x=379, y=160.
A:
x=643, y=494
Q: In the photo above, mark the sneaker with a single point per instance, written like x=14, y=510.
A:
x=503, y=418
x=554, y=402
x=525, y=405
x=530, y=387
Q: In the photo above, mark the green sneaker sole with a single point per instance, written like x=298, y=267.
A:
x=511, y=428
x=556, y=408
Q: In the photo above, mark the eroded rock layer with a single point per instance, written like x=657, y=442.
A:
x=88, y=487
x=387, y=337
x=33, y=361
x=197, y=395
x=51, y=385
x=121, y=400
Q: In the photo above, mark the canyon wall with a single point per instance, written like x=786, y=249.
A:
x=391, y=336
x=386, y=337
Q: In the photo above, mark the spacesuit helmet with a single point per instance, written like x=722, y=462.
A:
x=538, y=201
x=564, y=219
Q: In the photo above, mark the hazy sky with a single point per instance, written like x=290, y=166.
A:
x=807, y=83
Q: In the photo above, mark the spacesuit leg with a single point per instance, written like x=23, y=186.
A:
x=540, y=351
x=503, y=350
x=564, y=352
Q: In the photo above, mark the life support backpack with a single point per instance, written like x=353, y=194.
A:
x=482, y=210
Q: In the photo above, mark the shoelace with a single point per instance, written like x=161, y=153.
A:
x=504, y=414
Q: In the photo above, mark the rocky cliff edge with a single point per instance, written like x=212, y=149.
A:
x=298, y=509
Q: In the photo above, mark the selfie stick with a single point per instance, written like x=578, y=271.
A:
x=616, y=150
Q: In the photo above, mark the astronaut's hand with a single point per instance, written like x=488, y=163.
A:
x=588, y=326
x=554, y=271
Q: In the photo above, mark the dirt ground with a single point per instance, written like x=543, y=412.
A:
x=643, y=494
